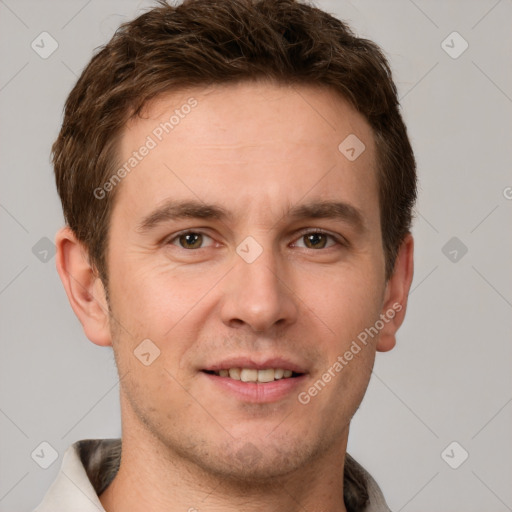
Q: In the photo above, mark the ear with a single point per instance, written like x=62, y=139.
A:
x=83, y=286
x=396, y=294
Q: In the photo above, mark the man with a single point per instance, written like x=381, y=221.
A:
x=237, y=184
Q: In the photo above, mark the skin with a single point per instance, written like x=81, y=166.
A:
x=257, y=149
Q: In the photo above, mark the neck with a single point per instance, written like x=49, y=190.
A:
x=152, y=478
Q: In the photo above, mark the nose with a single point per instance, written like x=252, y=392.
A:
x=259, y=295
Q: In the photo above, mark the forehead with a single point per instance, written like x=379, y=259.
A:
x=249, y=111
x=248, y=141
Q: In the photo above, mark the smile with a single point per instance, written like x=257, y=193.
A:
x=254, y=375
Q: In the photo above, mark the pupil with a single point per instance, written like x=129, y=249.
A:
x=189, y=240
x=314, y=238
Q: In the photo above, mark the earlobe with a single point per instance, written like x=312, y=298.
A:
x=396, y=294
x=83, y=287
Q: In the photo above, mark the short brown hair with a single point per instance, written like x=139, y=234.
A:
x=209, y=42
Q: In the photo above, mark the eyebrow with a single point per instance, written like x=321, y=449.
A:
x=175, y=210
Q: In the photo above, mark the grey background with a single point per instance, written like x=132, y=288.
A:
x=449, y=377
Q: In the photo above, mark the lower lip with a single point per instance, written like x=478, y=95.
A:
x=258, y=392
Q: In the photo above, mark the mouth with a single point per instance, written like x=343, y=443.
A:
x=250, y=381
x=255, y=375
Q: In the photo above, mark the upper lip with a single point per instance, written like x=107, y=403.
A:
x=256, y=364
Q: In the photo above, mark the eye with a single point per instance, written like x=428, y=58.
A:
x=318, y=239
x=315, y=239
x=189, y=239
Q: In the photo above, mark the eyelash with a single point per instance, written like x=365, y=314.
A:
x=337, y=239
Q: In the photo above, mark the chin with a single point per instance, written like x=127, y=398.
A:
x=247, y=467
x=241, y=462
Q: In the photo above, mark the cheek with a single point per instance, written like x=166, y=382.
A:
x=346, y=301
x=168, y=306
x=353, y=306
x=155, y=392
x=154, y=298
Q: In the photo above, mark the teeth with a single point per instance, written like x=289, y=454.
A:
x=252, y=375
x=266, y=375
x=278, y=374
x=234, y=373
x=247, y=375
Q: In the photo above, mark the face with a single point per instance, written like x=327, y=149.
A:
x=243, y=243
